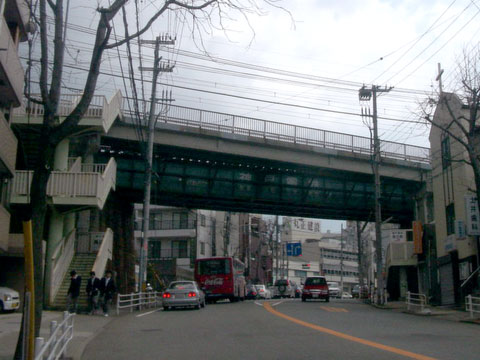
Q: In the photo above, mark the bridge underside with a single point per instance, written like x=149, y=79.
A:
x=206, y=180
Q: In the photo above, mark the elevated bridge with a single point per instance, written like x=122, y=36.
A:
x=212, y=160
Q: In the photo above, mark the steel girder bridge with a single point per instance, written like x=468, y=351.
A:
x=192, y=178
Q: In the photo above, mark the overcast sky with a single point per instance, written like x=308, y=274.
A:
x=313, y=58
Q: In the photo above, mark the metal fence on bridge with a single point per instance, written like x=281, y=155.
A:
x=270, y=130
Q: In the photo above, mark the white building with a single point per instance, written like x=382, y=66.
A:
x=178, y=236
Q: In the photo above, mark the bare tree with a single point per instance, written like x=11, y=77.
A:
x=462, y=113
x=203, y=15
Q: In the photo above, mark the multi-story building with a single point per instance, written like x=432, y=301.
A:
x=14, y=26
x=456, y=207
x=75, y=184
x=178, y=236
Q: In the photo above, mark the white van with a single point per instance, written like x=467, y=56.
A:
x=9, y=299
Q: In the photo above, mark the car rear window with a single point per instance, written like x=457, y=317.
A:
x=315, y=281
x=281, y=283
x=182, y=285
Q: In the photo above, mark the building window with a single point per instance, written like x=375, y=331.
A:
x=450, y=213
x=154, y=249
x=203, y=220
x=202, y=248
x=300, y=273
x=446, y=155
x=179, y=249
x=317, y=227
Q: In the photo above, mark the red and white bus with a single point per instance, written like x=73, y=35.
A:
x=221, y=278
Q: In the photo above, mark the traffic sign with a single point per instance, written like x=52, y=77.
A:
x=294, y=249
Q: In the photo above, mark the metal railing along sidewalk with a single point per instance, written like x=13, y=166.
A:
x=56, y=345
x=138, y=301
x=472, y=305
x=416, y=300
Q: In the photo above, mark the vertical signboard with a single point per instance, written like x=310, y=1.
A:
x=417, y=237
x=472, y=215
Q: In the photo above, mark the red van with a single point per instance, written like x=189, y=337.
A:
x=315, y=287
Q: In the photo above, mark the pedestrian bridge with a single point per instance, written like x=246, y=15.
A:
x=212, y=160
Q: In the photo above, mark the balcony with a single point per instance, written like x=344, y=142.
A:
x=400, y=254
x=8, y=149
x=168, y=228
x=4, y=228
x=101, y=112
x=78, y=188
x=11, y=71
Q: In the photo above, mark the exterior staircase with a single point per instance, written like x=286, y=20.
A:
x=82, y=264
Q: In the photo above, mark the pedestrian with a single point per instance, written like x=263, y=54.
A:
x=93, y=292
x=73, y=291
x=108, y=289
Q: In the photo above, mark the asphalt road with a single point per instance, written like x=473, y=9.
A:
x=290, y=329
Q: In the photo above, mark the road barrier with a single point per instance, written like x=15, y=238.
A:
x=472, y=305
x=416, y=300
x=56, y=345
x=138, y=301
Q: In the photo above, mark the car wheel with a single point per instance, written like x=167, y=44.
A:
x=327, y=299
x=198, y=306
x=303, y=299
x=1, y=307
x=166, y=308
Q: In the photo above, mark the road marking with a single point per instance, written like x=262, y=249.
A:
x=257, y=303
x=373, y=344
x=333, y=309
x=147, y=313
x=278, y=303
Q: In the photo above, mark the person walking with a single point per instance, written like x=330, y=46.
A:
x=108, y=289
x=93, y=292
x=73, y=291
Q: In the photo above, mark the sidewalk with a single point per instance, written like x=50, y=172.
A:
x=85, y=328
x=440, y=312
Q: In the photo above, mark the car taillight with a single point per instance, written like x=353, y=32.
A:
x=254, y=293
x=261, y=290
x=192, y=294
x=167, y=295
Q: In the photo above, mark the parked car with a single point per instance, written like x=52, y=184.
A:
x=315, y=287
x=9, y=299
x=251, y=292
x=284, y=288
x=182, y=294
x=360, y=292
x=346, y=295
x=333, y=288
x=263, y=292
x=356, y=292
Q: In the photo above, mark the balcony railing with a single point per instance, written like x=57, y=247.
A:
x=168, y=224
x=88, y=188
x=8, y=147
x=99, y=108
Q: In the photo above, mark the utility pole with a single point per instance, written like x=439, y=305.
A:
x=157, y=68
x=226, y=236
x=341, y=262
x=366, y=94
x=276, y=247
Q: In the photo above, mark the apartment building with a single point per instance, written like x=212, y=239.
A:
x=76, y=183
x=456, y=210
x=178, y=236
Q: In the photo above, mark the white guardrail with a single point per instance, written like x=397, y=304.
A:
x=56, y=345
x=415, y=300
x=472, y=305
x=138, y=301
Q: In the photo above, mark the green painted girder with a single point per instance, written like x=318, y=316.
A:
x=216, y=181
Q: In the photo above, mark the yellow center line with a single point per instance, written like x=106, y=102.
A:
x=373, y=344
x=333, y=309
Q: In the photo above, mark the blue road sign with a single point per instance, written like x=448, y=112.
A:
x=294, y=249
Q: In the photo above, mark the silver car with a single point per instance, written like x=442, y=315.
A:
x=182, y=294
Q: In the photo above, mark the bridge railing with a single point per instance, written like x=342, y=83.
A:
x=294, y=134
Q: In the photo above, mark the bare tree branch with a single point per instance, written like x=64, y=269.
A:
x=164, y=8
x=58, y=56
